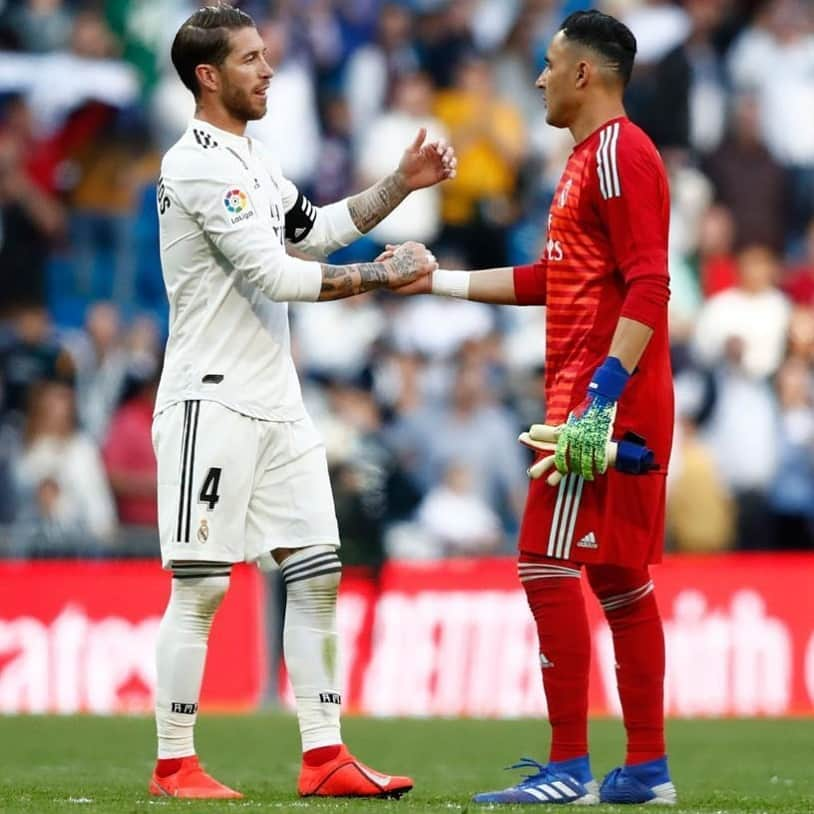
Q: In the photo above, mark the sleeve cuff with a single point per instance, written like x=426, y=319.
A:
x=529, y=285
x=346, y=230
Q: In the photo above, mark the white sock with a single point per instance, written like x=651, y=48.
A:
x=310, y=642
x=180, y=658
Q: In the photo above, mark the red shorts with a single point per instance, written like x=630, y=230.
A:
x=616, y=519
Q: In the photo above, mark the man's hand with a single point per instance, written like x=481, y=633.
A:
x=402, y=266
x=582, y=442
x=423, y=165
x=410, y=263
x=421, y=285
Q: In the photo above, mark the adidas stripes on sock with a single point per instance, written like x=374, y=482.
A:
x=310, y=640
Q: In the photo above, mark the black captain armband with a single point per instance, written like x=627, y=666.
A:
x=299, y=220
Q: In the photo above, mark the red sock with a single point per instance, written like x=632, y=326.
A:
x=558, y=607
x=638, y=643
x=165, y=766
x=320, y=755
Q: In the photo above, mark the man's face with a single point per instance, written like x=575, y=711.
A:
x=558, y=82
x=245, y=76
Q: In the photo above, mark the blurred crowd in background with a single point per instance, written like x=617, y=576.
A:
x=420, y=400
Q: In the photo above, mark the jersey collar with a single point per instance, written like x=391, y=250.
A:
x=592, y=134
x=224, y=137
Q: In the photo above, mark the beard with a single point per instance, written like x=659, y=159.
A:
x=243, y=104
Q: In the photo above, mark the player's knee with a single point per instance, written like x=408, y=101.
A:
x=312, y=574
x=202, y=594
x=617, y=588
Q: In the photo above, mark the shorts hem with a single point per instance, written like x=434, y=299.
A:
x=331, y=541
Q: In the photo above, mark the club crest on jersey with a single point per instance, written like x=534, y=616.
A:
x=203, y=531
x=564, y=192
x=237, y=204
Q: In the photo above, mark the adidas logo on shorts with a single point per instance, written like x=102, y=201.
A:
x=588, y=541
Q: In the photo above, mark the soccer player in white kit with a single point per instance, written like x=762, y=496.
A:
x=242, y=473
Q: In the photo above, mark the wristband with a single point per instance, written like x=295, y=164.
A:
x=447, y=283
x=609, y=380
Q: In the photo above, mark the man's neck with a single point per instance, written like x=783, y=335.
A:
x=593, y=116
x=219, y=118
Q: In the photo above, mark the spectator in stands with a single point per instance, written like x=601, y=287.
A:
x=700, y=510
x=799, y=280
x=290, y=128
x=489, y=137
x=419, y=217
x=29, y=354
x=113, y=170
x=456, y=517
x=64, y=494
x=716, y=262
x=741, y=436
x=58, y=82
x=322, y=339
x=373, y=488
x=101, y=363
x=791, y=495
x=31, y=221
x=742, y=165
x=801, y=334
x=373, y=69
x=755, y=313
x=657, y=97
x=782, y=36
x=40, y=25
x=335, y=166
x=707, y=95
x=470, y=429
x=444, y=38
x=128, y=452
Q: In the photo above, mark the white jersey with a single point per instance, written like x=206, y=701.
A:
x=225, y=212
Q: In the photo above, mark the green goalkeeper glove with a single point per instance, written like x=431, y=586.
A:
x=582, y=442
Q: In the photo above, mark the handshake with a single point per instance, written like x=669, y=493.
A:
x=409, y=268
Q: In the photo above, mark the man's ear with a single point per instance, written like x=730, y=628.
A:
x=207, y=76
x=584, y=69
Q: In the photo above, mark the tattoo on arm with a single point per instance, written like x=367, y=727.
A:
x=403, y=265
x=372, y=206
x=339, y=282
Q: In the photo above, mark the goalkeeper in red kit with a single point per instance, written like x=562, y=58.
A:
x=604, y=281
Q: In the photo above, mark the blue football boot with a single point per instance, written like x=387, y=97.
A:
x=641, y=783
x=561, y=782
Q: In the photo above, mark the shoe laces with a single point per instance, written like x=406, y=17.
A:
x=538, y=773
x=613, y=776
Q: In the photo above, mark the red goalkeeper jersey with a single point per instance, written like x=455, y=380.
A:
x=606, y=257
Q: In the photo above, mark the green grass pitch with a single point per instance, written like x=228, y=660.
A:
x=87, y=764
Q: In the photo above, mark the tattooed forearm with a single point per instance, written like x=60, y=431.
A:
x=372, y=275
x=339, y=282
x=372, y=206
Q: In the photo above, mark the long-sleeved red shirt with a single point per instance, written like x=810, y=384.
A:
x=605, y=258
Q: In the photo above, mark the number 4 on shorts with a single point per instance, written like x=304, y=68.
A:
x=209, y=490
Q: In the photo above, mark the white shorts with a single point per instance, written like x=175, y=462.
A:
x=233, y=488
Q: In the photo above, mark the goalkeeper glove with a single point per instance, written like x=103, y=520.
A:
x=582, y=442
x=630, y=455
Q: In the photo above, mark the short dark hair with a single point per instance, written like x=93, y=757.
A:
x=204, y=39
x=606, y=35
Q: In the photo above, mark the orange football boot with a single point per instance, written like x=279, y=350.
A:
x=191, y=781
x=345, y=776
